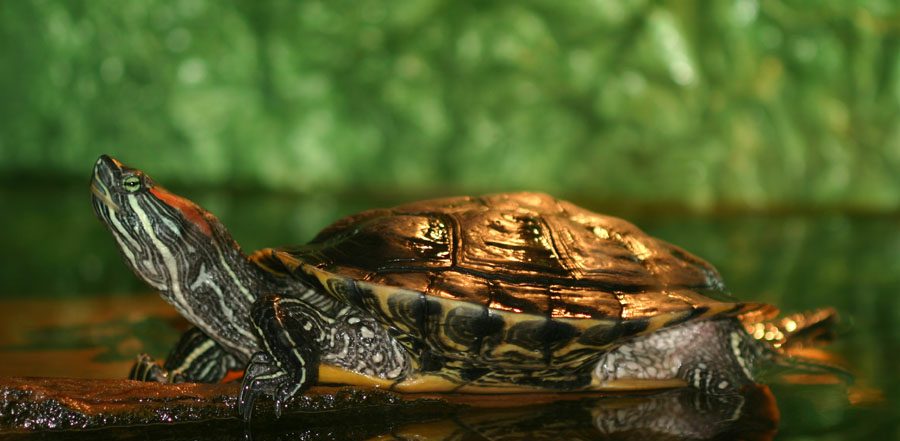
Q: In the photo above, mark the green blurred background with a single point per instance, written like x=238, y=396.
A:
x=704, y=104
x=763, y=136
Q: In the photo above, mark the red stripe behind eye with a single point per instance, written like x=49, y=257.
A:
x=191, y=211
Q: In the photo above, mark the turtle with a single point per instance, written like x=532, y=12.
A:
x=502, y=293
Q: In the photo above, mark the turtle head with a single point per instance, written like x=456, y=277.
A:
x=162, y=236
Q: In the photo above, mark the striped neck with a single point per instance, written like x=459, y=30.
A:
x=183, y=251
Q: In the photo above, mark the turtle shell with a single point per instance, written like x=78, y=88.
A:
x=508, y=279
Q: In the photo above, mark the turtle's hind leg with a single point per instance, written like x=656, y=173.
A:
x=196, y=358
x=714, y=356
x=290, y=335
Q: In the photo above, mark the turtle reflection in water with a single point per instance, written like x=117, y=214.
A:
x=496, y=294
x=677, y=415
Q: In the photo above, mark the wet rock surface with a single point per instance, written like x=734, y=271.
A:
x=61, y=403
x=32, y=405
x=60, y=408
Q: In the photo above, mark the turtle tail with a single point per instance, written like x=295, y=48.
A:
x=796, y=340
x=806, y=370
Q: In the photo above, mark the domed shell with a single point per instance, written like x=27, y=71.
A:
x=509, y=278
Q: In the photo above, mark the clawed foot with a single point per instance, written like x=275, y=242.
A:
x=264, y=377
x=146, y=369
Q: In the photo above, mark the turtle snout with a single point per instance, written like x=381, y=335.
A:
x=105, y=171
x=106, y=165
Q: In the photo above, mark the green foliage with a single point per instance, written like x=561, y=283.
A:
x=743, y=103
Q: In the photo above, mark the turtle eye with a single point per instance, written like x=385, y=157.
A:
x=131, y=183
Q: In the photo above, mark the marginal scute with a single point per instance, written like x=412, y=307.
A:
x=601, y=336
x=467, y=326
x=407, y=312
x=634, y=326
x=687, y=316
x=547, y=334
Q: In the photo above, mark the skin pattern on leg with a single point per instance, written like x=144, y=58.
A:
x=297, y=336
x=195, y=358
x=290, y=361
x=716, y=356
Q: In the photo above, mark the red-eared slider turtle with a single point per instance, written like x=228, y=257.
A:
x=502, y=293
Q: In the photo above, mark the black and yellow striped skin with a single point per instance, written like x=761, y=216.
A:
x=196, y=358
x=280, y=329
x=182, y=251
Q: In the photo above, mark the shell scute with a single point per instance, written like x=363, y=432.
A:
x=601, y=335
x=548, y=335
x=468, y=326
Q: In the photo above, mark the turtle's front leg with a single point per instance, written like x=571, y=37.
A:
x=291, y=337
x=196, y=358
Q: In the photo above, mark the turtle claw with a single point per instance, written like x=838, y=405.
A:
x=245, y=400
x=285, y=393
x=146, y=369
x=264, y=377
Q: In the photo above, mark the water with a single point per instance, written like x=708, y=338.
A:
x=69, y=307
